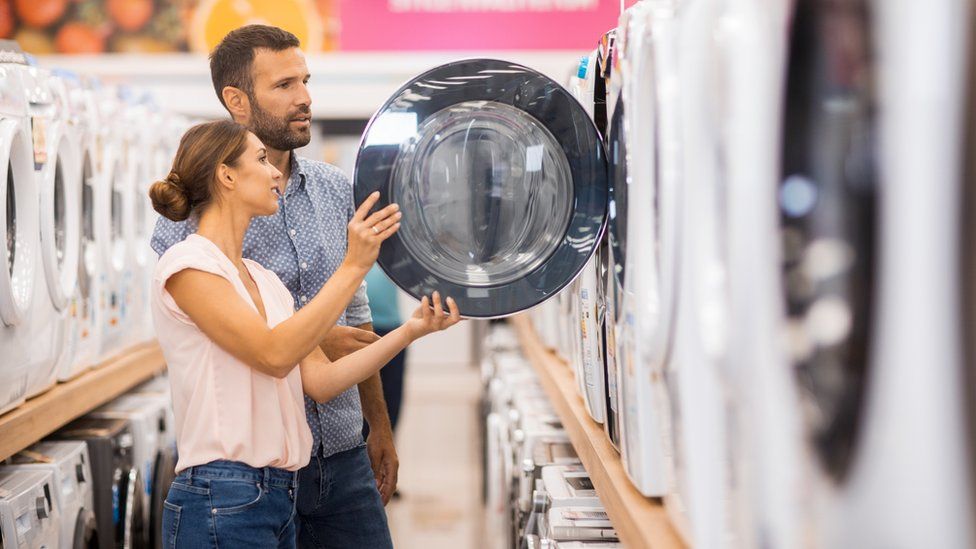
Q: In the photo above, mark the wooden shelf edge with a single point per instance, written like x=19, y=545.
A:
x=639, y=521
x=49, y=411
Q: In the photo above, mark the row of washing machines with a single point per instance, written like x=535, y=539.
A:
x=777, y=330
x=536, y=492
x=76, y=160
x=98, y=483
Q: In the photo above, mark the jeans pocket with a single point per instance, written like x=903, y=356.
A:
x=234, y=496
x=171, y=524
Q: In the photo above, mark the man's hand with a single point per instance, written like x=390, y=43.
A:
x=345, y=340
x=383, y=458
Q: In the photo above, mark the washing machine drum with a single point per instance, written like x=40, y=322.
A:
x=86, y=531
x=827, y=203
x=502, y=180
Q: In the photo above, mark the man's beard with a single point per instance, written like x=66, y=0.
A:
x=276, y=132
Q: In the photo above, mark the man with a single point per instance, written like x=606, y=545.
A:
x=260, y=76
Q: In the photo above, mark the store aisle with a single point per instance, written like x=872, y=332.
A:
x=439, y=463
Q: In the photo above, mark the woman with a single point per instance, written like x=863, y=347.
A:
x=239, y=356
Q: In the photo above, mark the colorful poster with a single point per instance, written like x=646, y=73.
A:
x=157, y=26
x=451, y=25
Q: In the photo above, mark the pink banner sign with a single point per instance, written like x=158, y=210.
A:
x=451, y=25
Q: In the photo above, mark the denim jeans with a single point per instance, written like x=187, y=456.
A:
x=229, y=504
x=338, y=504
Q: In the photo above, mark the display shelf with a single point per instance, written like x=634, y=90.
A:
x=46, y=413
x=639, y=521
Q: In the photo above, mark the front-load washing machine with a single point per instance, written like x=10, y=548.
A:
x=19, y=218
x=586, y=287
x=58, y=183
x=703, y=315
x=764, y=435
x=114, y=221
x=634, y=234
x=147, y=414
x=28, y=516
x=84, y=324
x=72, y=487
x=502, y=180
x=906, y=481
x=116, y=479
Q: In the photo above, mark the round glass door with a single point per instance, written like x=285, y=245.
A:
x=619, y=183
x=18, y=217
x=501, y=178
x=827, y=198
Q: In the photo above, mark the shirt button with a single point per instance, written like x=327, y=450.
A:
x=293, y=232
x=304, y=265
x=304, y=298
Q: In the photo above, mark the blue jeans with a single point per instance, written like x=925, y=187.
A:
x=339, y=505
x=230, y=504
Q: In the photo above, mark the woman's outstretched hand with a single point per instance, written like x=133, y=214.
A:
x=427, y=320
x=366, y=233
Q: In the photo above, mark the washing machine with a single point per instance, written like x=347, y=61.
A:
x=764, y=432
x=909, y=461
x=142, y=138
x=19, y=217
x=28, y=517
x=605, y=96
x=151, y=451
x=116, y=479
x=502, y=180
x=72, y=488
x=634, y=237
x=58, y=182
x=585, y=289
x=114, y=222
x=85, y=310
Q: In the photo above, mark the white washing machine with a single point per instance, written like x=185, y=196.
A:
x=19, y=218
x=86, y=307
x=72, y=484
x=114, y=222
x=586, y=288
x=28, y=517
x=642, y=430
x=58, y=182
x=909, y=481
x=764, y=433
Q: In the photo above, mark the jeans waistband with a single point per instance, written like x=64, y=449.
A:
x=235, y=470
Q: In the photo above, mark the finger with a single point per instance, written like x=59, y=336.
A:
x=438, y=309
x=382, y=214
x=455, y=312
x=425, y=304
x=366, y=206
x=388, y=232
x=386, y=223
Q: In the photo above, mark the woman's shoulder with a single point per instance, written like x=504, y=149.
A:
x=193, y=252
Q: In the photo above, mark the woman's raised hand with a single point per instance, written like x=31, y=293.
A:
x=426, y=320
x=367, y=233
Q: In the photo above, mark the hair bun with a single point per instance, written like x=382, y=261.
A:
x=169, y=198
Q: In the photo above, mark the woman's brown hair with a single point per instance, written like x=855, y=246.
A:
x=190, y=183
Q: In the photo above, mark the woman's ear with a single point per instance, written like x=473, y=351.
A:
x=226, y=177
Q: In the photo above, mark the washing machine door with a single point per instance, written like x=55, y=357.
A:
x=502, y=180
x=827, y=200
x=18, y=218
x=60, y=187
x=86, y=531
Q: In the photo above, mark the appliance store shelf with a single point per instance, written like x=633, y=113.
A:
x=639, y=521
x=46, y=413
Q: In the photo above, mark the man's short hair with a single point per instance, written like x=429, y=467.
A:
x=232, y=59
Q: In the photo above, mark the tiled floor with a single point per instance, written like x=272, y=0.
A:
x=440, y=474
